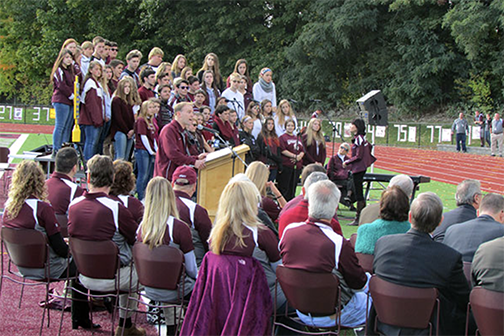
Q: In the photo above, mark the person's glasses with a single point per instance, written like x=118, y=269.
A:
x=195, y=125
x=113, y=49
x=345, y=149
x=235, y=81
x=184, y=87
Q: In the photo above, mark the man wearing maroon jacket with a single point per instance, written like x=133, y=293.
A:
x=60, y=187
x=299, y=213
x=173, y=150
x=148, y=79
x=95, y=216
x=314, y=247
x=194, y=215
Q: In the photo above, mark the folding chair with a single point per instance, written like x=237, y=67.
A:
x=467, y=272
x=317, y=294
x=488, y=311
x=402, y=306
x=366, y=261
x=63, y=224
x=97, y=260
x=28, y=249
x=160, y=268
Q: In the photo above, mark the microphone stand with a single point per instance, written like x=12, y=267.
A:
x=334, y=129
x=235, y=155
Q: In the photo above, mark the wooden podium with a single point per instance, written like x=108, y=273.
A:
x=220, y=166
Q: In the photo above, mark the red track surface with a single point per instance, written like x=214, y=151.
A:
x=440, y=166
x=27, y=128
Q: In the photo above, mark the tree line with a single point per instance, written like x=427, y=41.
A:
x=426, y=56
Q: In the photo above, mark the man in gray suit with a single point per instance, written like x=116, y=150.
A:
x=468, y=197
x=468, y=236
x=488, y=265
x=414, y=259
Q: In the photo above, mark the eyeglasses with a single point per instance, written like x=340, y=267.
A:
x=345, y=149
x=235, y=81
x=113, y=49
x=195, y=125
x=184, y=87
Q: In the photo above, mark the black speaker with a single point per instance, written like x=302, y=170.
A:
x=373, y=104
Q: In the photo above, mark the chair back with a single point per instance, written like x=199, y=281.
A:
x=314, y=293
x=4, y=154
x=353, y=239
x=366, y=261
x=467, y=272
x=26, y=247
x=63, y=224
x=95, y=259
x=407, y=307
x=488, y=310
x=160, y=267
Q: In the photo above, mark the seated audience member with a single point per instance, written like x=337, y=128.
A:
x=148, y=79
x=95, y=216
x=488, y=265
x=124, y=183
x=468, y=197
x=60, y=187
x=160, y=226
x=414, y=259
x=194, y=215
x=372, y=211
x=339, y=174
x=305, y=245
x=468, y=236
x=230, y=273
x=299, y=213
x=27, y=208
x=394, y=208
x=311, y=168
x=258, y=173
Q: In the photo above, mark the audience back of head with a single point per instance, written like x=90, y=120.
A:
x=404, y=182
x=311, y=179
x=426, y=212
x=394, y=204
x=493, y=204
x=323, y=199
x=311, y=168
x=66, y=159
x=467, y=191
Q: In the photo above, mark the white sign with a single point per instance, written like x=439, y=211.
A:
x=412, y=134
x=380, y=131
x=475, y=133
x=18, y=113
x=347, y=130
x=446, y=135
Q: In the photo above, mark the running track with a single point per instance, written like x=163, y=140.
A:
x=440, y=166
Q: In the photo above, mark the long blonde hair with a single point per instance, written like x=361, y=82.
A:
x=28, y=179
x=215, y=69
x=258, y=173
x=312, y=136
x=145, y=108
x=174, y=68
x=237, y=206
x=280, y=115
x=160, y=204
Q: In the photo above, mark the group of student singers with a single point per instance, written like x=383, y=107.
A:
x=125, y=105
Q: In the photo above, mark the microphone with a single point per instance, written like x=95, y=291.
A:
x=315, y=100
x=211, y=130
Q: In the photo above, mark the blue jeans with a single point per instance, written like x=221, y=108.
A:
x=105, y=131
x=145, y=166
x=461, y=138
x=63, y=124
x=122, y=146
x=91, y=142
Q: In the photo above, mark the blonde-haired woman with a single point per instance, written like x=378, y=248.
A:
x=229, y=271
x=314, y=143
x=123, y=119
x=179, y=63
x=284, y=113
x=27, y=208
x=160, y=226
x=259, y=173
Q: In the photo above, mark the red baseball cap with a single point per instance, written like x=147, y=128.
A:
x=184, y=175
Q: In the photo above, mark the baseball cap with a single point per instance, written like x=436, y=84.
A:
x=184, y=175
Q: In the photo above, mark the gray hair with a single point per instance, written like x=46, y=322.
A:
x=404, y=182
x=426, y=212
x=492, y=204
x=323, y=199
x=466, y=190
x=311, y=179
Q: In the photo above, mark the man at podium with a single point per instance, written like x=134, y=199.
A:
x=174, y=145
